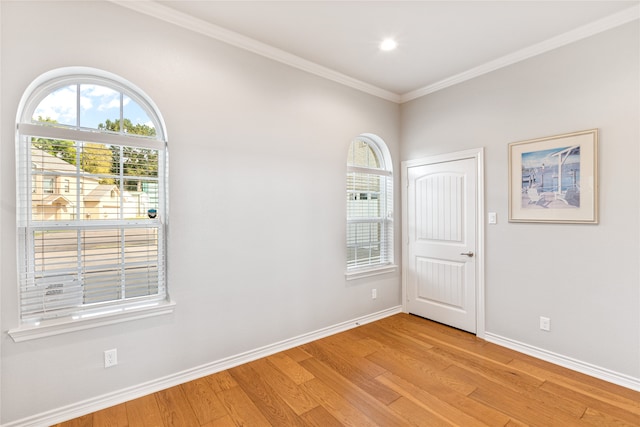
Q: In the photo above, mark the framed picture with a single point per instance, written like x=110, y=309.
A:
x=554, y=179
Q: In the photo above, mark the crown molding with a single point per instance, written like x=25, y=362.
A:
x=588, y=30
x=167, y=14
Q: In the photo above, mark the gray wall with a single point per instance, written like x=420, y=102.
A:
x=257, y=178
x=584, y=277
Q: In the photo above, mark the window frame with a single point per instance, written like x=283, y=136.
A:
x=115, y=310
x=385, y=170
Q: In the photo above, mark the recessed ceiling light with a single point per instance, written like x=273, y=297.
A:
x=388, y=44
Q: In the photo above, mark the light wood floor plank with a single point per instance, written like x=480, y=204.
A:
x=601, y=406
x=225, y=421
x=496, y=371
x=83, y=421
x=342, y=358
x=519, y=406
x=349, y=343
x=290, y=368
x=516, y=380
x=175, y=409
x=417, y=415
x=339, y=408
x=575, y=379
x=241, y=409
x=144, y=412
x=600, y=419
x=393, y=343
x=115, y=416
x=448, y=388
x=420, y=373
x=396, y=338
x=610, y=393
x=297, y=354
x=369, y=404
x=339, y=366
x=203, y=400
x=432, y=403
x=221, y=381
x=264, y=397
x=320, y=417
x=295, y=397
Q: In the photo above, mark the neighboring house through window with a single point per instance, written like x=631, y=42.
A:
x=369, y=207
x=91, y=165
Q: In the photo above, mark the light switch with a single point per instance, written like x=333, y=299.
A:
x=493, y=218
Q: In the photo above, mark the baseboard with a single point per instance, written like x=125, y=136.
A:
x=110, y=399
x=567, y=362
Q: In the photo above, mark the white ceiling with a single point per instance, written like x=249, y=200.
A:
x=440, y=42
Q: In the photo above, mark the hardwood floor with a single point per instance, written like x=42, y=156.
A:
x=399, y=371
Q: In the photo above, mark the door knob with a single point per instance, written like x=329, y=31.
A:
x=469, y=254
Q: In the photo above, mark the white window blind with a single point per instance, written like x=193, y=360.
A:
x=92, y=179
x=369, y=206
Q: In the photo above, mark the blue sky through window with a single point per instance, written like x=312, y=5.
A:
x=97, y=104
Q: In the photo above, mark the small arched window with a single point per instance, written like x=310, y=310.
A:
x=92, y=198
x=369, y=205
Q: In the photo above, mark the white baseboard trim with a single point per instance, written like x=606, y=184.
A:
x=567, y=362
x=115, y=398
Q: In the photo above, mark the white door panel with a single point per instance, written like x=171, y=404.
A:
x=441, y=226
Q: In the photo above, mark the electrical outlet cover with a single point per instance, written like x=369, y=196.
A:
x=110, y=358
x=545, y=323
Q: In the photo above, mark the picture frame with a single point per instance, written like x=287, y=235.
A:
x=554, y=179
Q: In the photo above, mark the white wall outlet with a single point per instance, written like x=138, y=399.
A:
x=545, y=323
x=110, y=358
x=374, y=293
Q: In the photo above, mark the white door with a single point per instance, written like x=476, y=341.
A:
x=441, y=218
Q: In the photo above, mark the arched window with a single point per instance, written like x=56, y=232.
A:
x=92, y=198
x=369, y=205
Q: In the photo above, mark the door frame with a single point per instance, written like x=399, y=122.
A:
x=478, y=155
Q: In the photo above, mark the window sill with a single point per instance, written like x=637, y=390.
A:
x=112, y=316
x=370, y=271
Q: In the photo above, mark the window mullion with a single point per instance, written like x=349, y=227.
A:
x=28, y=199
x=79, y=186
x=123, y=264
x=370, y=243
x=69, y=133
x=122, y=230
x=121, y=184
x=121, y=112
x=78, y=105
x=80, y=262
x=121, y=170
x=368, y=171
